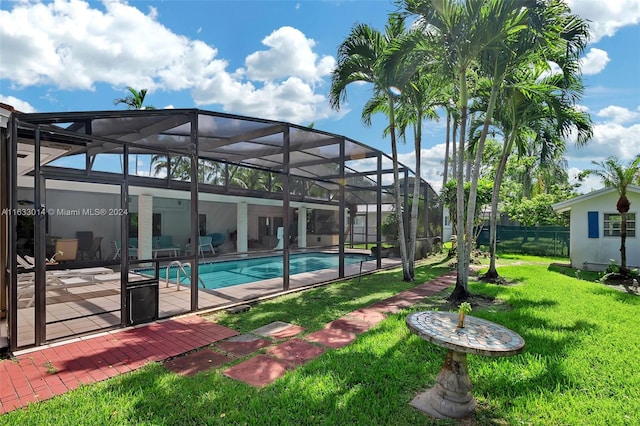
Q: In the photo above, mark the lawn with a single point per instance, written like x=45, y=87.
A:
x=581, y=364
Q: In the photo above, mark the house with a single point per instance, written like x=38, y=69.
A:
x=595, y=228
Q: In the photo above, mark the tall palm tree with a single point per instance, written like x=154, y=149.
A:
x=361, y=58
x=462, y=33
x=614, y=174
x=538, y=108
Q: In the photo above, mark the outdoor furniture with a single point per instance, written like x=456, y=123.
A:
x=117, y=250
x=85, y=242
x=164, y=244
x=217, y=239
x=66, y=249
x=451, y=396
x=204, y=244
x=95, y=249
x=56, y=280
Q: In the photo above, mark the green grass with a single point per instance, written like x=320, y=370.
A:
x=580, y=365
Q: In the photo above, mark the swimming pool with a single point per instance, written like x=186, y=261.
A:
x=242, y=271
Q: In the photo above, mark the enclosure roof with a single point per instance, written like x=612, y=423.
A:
x=228, y=138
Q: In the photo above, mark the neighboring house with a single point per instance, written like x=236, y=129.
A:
x=595, y=228
x=365, y=225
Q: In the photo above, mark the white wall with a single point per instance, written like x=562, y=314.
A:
x=597, y=252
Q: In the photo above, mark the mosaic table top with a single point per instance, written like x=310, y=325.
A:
x=478, y=336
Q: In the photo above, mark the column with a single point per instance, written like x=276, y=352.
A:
x=242, y=223
x=302, y=227
x=145, y=227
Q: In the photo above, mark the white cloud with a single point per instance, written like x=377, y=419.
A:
x=587, y=184
x=18, y=104
x=431, y=164
x=609, y=139
x=594, y=62
x=618, y=114
x=72, y=45
x=606, y=16
x=290, y=54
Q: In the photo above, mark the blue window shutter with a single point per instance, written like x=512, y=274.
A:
x=594, y=232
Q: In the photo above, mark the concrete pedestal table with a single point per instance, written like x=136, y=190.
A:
x=451, y=396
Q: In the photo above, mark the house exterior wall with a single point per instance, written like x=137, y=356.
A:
x=596, y=253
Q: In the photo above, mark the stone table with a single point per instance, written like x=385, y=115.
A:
x=451, y=396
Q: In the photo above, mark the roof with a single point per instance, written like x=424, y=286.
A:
x=566, y=205
x=254, y=143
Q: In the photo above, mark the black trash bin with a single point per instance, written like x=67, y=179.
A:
x=143, y=302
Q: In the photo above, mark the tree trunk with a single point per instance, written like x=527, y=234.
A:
x=461, y=290
x=623, y=245
x=445, y=175
x=492, y=274
x=416, y=198
x=402, y=240
x=473, y=191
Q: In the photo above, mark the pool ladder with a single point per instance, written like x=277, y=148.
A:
x=181, y=267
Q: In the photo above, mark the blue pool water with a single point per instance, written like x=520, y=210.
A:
x=243, y=271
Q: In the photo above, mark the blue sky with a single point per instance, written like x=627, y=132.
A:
x=270, y=59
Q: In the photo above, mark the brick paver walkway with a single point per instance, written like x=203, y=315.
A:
x=46, y=372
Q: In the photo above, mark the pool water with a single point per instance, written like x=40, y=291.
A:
x=242, y=271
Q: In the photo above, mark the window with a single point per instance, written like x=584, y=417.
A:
x=155, y=225
x=612, y=223
x=202, y=223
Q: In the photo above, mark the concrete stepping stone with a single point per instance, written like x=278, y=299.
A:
x=258, y=371
x=242, y=345
x=349, y=324
x=278, y=330
x=332, y=337
x=370, y=316
x=196, y=362
x=296, y=351
x=392, y=305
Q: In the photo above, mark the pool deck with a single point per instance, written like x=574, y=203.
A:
x=42, y=373
x=94, y=308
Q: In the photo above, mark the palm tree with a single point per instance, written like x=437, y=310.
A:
x=134, y=100
x=462, y=33
x=361, y=58
x=615, y=175
x=538, y=108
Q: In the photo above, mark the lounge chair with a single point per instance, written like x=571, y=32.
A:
x=56, y=280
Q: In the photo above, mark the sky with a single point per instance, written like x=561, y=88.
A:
x=273, y=59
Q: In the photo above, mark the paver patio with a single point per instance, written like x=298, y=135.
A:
x=270, y=350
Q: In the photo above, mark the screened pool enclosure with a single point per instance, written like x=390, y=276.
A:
x=91, y=199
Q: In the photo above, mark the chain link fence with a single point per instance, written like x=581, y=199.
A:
x=534, y=240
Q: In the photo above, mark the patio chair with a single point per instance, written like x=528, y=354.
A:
x=85, y=243
x=280, y=236
x=204, y=244
x=96, y=249
x=116, y=250
x=217, y=239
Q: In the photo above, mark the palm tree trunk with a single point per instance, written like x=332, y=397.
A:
x=446, y=151
x=416, y=197
x=402, y=240
x=473, y=191
x=492, y=274
x=623, y=245
x=461, y=290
